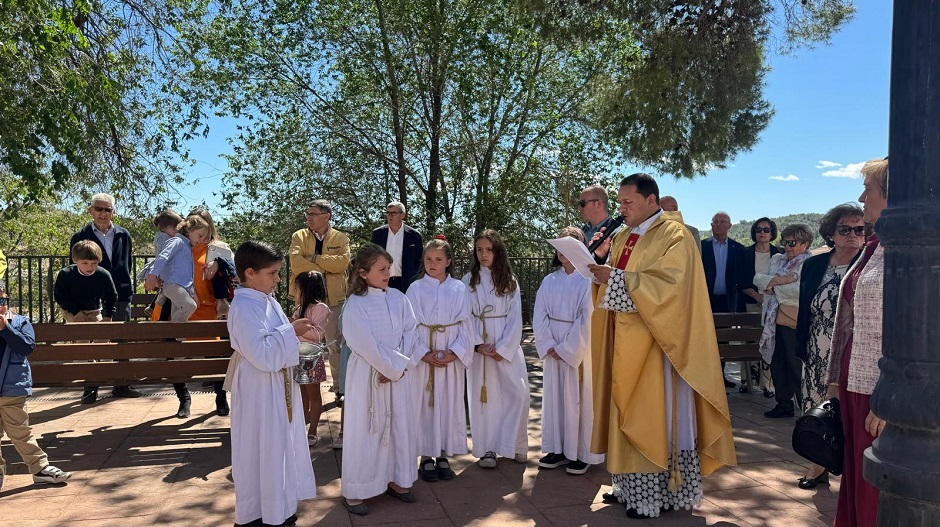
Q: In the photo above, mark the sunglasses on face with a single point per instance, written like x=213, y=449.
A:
x=103, y=209
x=762, y=229
x=583, y=203
x=790, y=243
x=846, y=230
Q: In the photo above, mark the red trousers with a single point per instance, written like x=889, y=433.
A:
x=858, y=499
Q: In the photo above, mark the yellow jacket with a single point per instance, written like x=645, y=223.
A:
x=333, y=262
x=666, y=280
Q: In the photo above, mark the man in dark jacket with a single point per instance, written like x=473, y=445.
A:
x=116, y=250
x=403, y=243
x=721, y=256
x=17, y=340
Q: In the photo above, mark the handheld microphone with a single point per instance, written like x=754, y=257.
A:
x=608, y=232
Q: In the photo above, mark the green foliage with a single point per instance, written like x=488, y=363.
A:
x=90, y=99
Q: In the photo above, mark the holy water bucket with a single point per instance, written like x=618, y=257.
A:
x=310, y=352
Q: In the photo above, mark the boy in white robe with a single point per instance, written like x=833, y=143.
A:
x=443, y=349
x=271, y=464
x=562, y=325
x=497, y=380
x=380, y=428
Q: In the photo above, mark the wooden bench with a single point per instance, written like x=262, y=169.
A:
x=739, y=338
x=59, y=360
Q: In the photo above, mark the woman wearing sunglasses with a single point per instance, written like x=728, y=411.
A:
x=781, y=287
x=844, y=231
x=756, y=260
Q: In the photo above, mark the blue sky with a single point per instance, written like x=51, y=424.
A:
x=831, y=115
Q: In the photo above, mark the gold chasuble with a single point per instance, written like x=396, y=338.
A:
x=666, y=280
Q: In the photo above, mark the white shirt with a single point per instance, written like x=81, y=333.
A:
x=394, y=245
x=106, y=238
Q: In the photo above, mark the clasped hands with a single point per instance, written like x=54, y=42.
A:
x=489, y=350
x=431, y=358
x=779, y=280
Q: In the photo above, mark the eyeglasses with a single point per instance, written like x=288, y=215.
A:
x=762, y=229
x=846, y=230
x=393, y=213
x=583, y=203
x=790, y=243
x=312, y=214
x=103, y=209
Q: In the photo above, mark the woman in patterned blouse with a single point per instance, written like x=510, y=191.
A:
x=856, y=348
x=844, y=231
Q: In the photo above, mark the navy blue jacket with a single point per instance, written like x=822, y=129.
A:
x=411, y=250
x=120, y=266
x=19, y=340
x=735, y=254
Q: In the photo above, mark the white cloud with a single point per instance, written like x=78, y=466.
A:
x=828, y=164
x=852, y=170
x=788, y=177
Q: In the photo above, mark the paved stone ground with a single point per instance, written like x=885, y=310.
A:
x=135, y=464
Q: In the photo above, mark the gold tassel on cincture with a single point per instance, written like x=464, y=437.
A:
x=483, y=388
x=485, y=314
x=432, y=329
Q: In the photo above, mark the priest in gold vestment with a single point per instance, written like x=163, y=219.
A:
x=660, y=408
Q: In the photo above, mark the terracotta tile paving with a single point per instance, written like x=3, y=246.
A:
x=135, y=464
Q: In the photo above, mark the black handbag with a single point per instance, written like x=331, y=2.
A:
x=818, y=437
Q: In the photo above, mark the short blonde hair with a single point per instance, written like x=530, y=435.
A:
x=878, y=169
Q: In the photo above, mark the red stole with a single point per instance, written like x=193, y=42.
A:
x=627, y=250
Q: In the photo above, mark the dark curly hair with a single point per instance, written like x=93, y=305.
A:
x=829, y=222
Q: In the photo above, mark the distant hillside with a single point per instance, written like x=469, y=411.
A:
x=741, y=231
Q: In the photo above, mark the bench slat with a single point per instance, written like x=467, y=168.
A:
x=136, y=372
x=725, y=320
x=738, y=334
x=130, y=330
x=738, y=352
x=130, y=350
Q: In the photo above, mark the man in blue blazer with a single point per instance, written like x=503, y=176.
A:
x=721, y=256
x=116, y=251
x=403, y=243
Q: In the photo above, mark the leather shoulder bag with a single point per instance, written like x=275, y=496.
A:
x=818, y=437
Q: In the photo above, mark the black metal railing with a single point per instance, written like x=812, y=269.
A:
x=29, y=280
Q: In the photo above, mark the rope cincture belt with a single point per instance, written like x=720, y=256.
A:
x=432, y=329
x=485, y=314
x=287, y=398
x=580, y=366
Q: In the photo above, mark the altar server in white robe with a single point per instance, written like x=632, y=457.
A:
x=562, y=325
x=271, y=464
x=497, y=381
x=380, y=430
x=443, y=349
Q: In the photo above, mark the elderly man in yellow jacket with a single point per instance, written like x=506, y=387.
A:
x=319, y=247
x=660, y=408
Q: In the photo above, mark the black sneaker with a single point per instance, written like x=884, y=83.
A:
x=428, y=470
x=577, y=467
x=125, y=391
x=89, y=396
x=553, y=461
x=777, y=412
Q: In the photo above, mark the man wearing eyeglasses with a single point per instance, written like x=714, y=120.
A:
x=116, y=250
x=592, y=204
x=403, y=243
x=319, y=247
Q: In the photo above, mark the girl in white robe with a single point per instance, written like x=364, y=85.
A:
x=271, y=464
x=380, y=425
x=443, y=348
x=497, y=381
x=562, y=325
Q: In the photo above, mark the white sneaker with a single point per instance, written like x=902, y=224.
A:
x=51, y=474
x=488, y=460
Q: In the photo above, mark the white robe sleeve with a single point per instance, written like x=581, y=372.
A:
x=541, y=324
x=577, y=342
x=410, y=339
x=507, y=345
x=358, y=333
x=268, y=345
x=463, y=345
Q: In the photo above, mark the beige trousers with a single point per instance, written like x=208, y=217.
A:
x=14, y=421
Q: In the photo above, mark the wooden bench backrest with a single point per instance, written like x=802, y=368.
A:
x=738, y=335
x=59, y=360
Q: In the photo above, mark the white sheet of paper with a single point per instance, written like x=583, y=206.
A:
x=576, y=253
